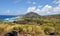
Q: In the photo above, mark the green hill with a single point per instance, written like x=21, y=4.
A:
x=33, y=23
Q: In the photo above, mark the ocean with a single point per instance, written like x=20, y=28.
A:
x=6, y=18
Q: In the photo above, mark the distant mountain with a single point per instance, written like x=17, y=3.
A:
x=22, y=19
x=53, y=16
x=35, y=15
x=31, y=15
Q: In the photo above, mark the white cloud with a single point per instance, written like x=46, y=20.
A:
x=9, y=12
x=34, y=9
x=56, y=1
x=57, y=8
x=37, y=10
x=31, y=9
x=33, y=2
x=30, y=2
x=39, y=6
x=58, y=5
x=46, y=8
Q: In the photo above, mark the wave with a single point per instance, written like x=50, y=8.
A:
x=10, y=19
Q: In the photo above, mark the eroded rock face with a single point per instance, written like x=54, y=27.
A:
x=12, y=33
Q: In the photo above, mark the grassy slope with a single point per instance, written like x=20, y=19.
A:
x=49, y=23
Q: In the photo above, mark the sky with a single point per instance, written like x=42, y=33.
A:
x=18, y=7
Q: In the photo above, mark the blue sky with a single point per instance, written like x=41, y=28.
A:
x=17, y=7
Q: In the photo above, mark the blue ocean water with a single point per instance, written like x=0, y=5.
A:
x=7, y=16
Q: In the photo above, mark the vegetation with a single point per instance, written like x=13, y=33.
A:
x=39, y=25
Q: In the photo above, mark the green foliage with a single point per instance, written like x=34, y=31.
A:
x=18, y=28
x=1, y=29
x=33, y=25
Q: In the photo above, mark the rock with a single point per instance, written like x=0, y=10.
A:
x=12, y=33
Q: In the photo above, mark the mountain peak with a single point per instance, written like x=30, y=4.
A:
x=32, y=15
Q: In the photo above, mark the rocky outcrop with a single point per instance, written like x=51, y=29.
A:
x=12, y=33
